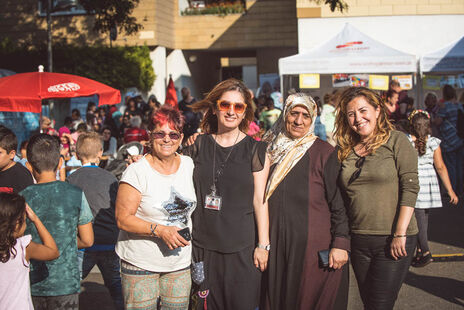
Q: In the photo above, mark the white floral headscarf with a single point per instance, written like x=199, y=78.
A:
x=284, y=150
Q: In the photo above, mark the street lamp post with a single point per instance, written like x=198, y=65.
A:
x=56, y=6
x=49, y=36
x=60, y=5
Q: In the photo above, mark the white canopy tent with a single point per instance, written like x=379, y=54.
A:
x=445, y=60
x=350, y=51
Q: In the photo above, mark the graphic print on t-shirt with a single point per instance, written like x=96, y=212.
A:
x=178, y=207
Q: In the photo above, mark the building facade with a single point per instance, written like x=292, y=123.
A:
x=413, y=26
x=197, y=51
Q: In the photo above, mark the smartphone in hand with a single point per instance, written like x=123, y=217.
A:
x=185, y=233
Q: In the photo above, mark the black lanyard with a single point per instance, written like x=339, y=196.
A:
x=217, y=173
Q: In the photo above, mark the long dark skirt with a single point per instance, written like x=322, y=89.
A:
x=232, y=280
x=300, y=226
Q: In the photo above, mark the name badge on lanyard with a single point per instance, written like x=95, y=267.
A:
x=213, y=202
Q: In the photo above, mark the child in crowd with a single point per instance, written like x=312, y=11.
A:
x=428, y=149
x=22, y=152
x=100, y=188
x=67, y=147
x=319, y=128
x=73, y=163
x=14, y=177
x=66, y=213
x=327, y=117
x=16, y=249
x=270, y=115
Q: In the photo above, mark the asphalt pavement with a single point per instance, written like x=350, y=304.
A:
x=439, y=285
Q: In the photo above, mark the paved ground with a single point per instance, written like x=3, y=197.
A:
x=439, y=285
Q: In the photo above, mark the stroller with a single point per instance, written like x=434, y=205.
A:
x=119, y=164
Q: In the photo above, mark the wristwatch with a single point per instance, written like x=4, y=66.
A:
x=265, y=247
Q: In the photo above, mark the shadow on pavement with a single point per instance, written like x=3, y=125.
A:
x=445, y=288
x=446, y=225
x=95, y=296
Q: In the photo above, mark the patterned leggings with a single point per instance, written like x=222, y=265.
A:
x=144, y=289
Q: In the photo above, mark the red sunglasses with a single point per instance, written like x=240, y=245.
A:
x=161, y=134
x=224, y=106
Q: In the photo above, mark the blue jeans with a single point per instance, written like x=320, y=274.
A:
x=454, y=163
x=108, y=263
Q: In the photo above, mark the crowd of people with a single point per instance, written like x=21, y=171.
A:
x=228, y=202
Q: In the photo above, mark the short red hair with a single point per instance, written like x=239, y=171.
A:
x=168, y=115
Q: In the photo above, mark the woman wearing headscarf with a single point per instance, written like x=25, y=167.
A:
x=306, y=214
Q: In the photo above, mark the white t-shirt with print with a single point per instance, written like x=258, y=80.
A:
x=167, y=200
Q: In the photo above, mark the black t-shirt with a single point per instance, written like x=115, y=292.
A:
x=232, y=228
x=192, y=119
x=15, y=179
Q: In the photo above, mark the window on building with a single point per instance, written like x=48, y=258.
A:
x=59, y=7
x=219, y=7
x=235, y=72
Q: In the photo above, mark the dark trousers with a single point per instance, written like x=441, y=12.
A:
x=454, y=163
x=379, y=276
x=108, y=263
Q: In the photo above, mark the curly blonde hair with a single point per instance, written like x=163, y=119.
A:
x=347, y=138
x=209, y=123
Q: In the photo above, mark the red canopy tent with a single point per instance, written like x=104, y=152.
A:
x=24, y=92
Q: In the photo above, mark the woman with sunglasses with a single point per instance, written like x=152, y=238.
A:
x=380, y=183
x=306, y=215
x=156, y=198
x=230, y=224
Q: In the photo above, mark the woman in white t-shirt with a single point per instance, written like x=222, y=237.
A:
x=155, y=201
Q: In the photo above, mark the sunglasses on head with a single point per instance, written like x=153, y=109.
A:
x=161, y=134
x=359, y=163
x=224, y=106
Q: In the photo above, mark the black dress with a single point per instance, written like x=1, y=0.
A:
x=225, y=240
x=306, y=215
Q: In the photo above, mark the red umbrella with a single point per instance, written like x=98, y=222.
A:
x=23, y=92
x=171, y=95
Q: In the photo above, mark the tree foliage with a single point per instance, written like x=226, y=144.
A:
x=340, y=5
x=111, y=13
x=118, y=67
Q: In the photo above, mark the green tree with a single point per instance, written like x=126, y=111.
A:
x=119, y=67
x=340, y=5
x=111, y=13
